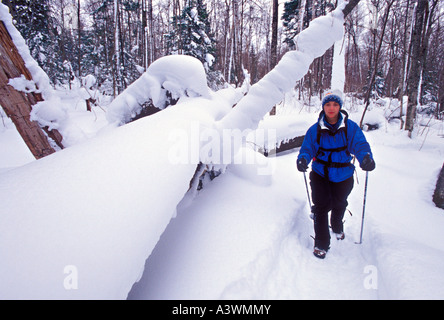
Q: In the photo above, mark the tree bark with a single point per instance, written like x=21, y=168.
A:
x=438, y=197
x=416, y=66
x=79, y=41
x=274, y=34
x=404, y=66
x=18, y=105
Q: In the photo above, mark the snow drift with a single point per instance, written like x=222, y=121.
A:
x=99, y=207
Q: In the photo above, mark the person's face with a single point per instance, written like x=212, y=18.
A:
x=332, y=111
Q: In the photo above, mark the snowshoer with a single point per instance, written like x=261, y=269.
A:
x=330, y=143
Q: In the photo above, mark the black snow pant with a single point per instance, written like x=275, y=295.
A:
x=328, y=196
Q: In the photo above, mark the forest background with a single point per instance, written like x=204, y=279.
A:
x=391, y=47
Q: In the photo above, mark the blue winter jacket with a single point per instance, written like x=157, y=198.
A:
x=331, y=147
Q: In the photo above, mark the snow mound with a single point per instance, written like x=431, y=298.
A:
x=49, y=113
x=79, y=224
x=85, y=219
x=168, y=78
x=180, y=75
x=253, y=166
x=374, y=119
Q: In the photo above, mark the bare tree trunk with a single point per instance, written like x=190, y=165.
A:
x=117, y=75
x=378, y=51
x=274, y=41
x=438, y=196
x=274, y=34
x=150, y=43
x=416, y=66
x=79, y=57
x=241, y=42
x=427, y=32
x=404, y=66
x=18, y=105
x=143, y=37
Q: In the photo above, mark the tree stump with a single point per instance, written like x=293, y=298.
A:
x=438, y=197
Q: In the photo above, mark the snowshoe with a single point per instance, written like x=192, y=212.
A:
x=319, y=253
x=340, y=236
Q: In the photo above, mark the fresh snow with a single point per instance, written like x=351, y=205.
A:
x=101, y=206
x=249, y=238
x=112, y=216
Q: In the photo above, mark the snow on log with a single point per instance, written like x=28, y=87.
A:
x=170, y=77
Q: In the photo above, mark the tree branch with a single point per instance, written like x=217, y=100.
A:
x=349, y=7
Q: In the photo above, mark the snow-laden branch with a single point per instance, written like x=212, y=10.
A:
x=311, y=43
x=39, y=77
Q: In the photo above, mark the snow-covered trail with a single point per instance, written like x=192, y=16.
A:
x=246, y=237
x=402, y=253
x=253, y=244
x=289, y=269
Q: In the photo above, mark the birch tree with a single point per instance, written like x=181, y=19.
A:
x=413, y=83
x=274, y=34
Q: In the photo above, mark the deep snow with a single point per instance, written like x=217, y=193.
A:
x=244, y=236
x=79, y=224
x=244, y=239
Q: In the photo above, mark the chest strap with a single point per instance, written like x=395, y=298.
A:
x=330, y=164
x=333, y=150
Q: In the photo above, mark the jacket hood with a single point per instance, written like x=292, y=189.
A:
x=321, y=120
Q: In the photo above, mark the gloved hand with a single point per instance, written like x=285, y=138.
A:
x=368, y=164
x=302, y=165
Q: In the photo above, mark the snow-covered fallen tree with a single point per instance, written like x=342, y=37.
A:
x=105, y=203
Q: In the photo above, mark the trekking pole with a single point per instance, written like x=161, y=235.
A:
x=308, y=193
x=363, y=208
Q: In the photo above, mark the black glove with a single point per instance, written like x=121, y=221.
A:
x=368, y=164
x=302, y=165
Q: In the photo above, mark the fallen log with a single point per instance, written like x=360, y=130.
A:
x=438, y=197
